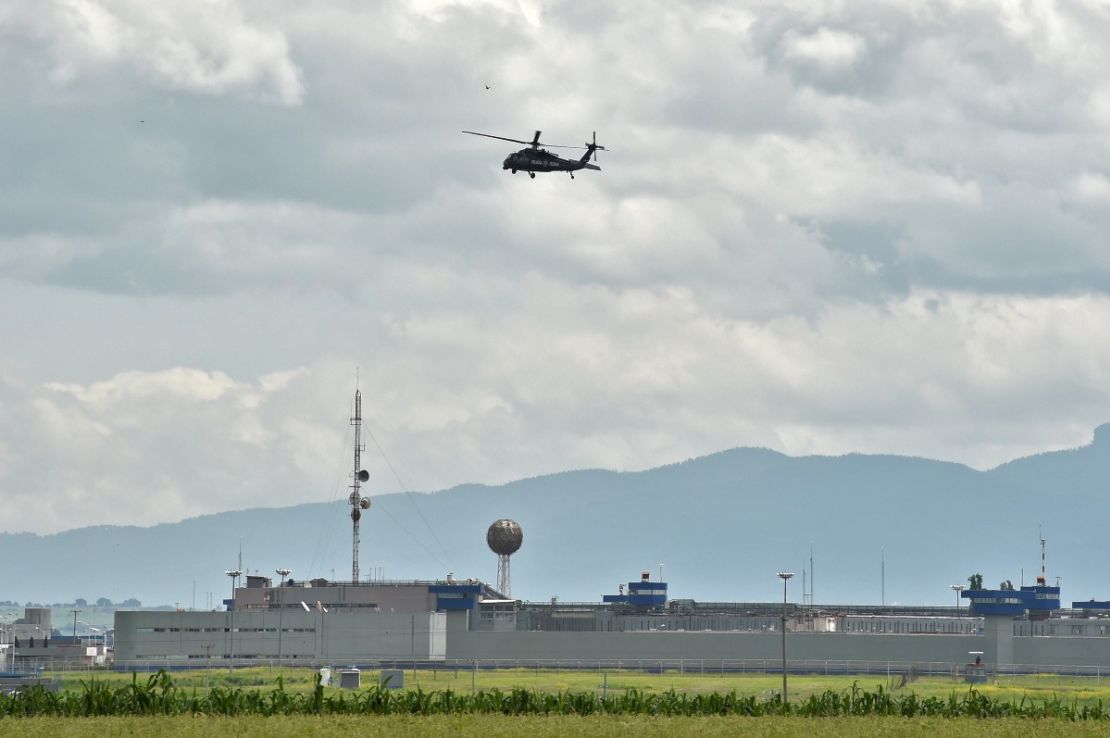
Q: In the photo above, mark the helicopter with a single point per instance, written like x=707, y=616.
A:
x=534, y=159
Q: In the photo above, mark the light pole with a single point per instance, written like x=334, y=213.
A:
x=284, y=574
x=957, y=588
x=784, y=576
x=234, y=575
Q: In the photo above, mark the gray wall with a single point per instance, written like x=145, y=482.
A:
x=365, y=636
x=145, y=636
x=632, y=646
x=1062, y=651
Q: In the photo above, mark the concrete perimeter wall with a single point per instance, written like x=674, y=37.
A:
x=633, y=646
x=1062, y=651
x=636, y=646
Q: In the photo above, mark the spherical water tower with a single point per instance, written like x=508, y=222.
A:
x=504, y=538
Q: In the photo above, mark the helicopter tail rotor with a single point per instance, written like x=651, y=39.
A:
x=593, y=148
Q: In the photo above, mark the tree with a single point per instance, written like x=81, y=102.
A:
x=1007, y=586
x=81, y=602
x=131, y=602
x=104, y=602
x=975, y=581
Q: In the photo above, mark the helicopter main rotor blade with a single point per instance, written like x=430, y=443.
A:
x=534, y=143
x=500, y=138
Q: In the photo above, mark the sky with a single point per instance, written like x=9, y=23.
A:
x=819, y=227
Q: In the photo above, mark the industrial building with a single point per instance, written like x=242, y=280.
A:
x=449, y=620
x=320, y=621
x=33, y=639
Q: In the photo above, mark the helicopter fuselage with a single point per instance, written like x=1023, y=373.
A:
x=541, y=160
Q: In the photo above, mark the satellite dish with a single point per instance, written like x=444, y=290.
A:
x=364, y=476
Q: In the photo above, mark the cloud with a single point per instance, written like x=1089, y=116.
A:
x=210, y=47
x=572, y=378
x=820, y=227
x=825, y=47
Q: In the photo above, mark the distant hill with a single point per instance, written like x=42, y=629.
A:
x=722, y=525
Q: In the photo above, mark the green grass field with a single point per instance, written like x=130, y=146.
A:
x=761, y=685
x=536, y=727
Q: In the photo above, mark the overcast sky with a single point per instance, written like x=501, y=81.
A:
x=821, y=228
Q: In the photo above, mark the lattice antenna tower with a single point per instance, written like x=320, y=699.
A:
x=358, y=476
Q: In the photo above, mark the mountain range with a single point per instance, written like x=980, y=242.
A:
x=890, y=529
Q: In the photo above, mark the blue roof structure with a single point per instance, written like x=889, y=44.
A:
x=458, y=595
x=641, y=594
x=1037, y=600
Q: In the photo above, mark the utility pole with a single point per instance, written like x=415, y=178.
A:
x=75, y=612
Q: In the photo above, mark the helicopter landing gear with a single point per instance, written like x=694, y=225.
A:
x=514, y=171
x=532, y=175
x=571, y=174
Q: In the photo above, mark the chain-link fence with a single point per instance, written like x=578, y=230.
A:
x=1015, y=673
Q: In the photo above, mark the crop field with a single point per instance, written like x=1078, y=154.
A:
x=497, y=726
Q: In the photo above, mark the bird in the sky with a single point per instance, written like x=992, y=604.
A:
x=487, y=87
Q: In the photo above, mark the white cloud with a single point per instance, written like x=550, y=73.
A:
x=821, y=227
x=207, y=47
x=825, y=47
x=1092, y=186
x=574, y=377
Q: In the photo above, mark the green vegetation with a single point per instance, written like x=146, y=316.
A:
x=497, y=726
x=1033, y=688
x=159, y=695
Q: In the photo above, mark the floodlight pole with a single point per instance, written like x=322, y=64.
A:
x=784, y=576
x=234, y=575
x=284, y=574
x=957, y=588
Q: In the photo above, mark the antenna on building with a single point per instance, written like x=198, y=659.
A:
x=811, y=574
x=1044, y=571
x=358, y=475
x=882, y=575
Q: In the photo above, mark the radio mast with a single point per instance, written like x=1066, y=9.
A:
x=358, y=476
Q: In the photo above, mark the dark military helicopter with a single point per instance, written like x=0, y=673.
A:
x=534, y=159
